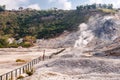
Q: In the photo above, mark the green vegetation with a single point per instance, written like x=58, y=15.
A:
x=95, y=6
x=20, y=77
x=2, y=8
x=3, y=41
x=20, y=60
x=32, y=24
x=30, y=72
x=108, y=10
x=13, y=45
x=39, y=24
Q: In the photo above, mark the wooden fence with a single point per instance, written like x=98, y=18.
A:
x=14, y=74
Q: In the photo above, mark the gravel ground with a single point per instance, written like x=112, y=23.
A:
x=76, y=67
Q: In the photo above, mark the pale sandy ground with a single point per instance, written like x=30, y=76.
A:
x=70, y=65
x=8, y=57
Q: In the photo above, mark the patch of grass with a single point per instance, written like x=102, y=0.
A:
x=11, y=79
x=108, y=10
x=20, y=60
x=27, y=72
x=20, y=77
x=26, y=44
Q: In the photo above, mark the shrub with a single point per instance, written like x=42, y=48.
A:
x=13, y=45
x=26, y=44
x=3, y=42
x=108, y=10
x=31, y=39
x=30, y=72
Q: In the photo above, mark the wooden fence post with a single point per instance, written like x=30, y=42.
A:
x=39, y=58
x=23, y=69
x=30, y=65
x=7, y=76
x=19, y=71
x=33, y=62
x=11, y=75
x=16, y=73
x=0, y=77
x=43, y=55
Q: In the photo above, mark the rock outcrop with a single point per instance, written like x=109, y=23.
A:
x=101, y=33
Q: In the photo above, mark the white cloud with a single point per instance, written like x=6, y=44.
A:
x=34, y=6
x=63, y=4
x=12, y=4
x=95, y=1
x=116, y=3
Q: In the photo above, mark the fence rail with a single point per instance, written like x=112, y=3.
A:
x=14, y=74
x=17, y=72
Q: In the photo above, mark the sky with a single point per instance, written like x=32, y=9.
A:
x=48, y=4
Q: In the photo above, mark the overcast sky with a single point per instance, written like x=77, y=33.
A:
x=47, y=4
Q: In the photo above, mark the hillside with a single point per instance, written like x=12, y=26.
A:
x=42, y=24
x=88, y=36
x=93, y=52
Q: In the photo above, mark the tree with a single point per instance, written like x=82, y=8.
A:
x=81, y=7
x=2, y=8
x=93, y=6
x=20, y=8
x=100, y=5
x=104, y=6
x=110, y=6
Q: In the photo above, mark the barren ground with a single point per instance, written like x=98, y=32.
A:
x=72, y=65
x=8, y=57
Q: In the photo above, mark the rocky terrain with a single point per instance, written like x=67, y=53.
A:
x=73, y=65
x=99, y=33
x=93, y=53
